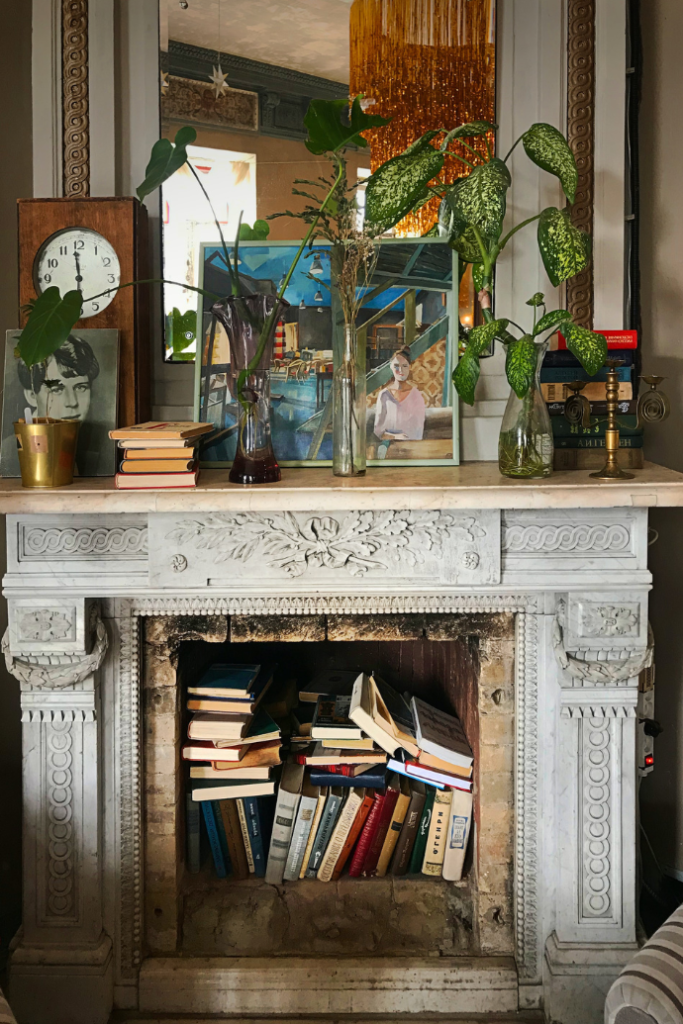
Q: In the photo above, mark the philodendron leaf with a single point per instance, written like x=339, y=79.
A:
x=328, y=129
x=589, y=347
x=536, y=300
x=49, y=324
x=552, y=319
x=565, y=250
x=549, y=149
x=466, y=375
x=167, y=157
x=472, y=128
x=401, y=183
x=520, y=364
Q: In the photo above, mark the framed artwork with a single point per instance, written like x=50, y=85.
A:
x=80, y=381
x=409, y=321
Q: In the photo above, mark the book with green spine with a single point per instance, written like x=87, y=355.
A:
x=422, y=834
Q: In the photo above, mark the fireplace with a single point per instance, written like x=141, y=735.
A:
x=535, y=618
x=462, y=663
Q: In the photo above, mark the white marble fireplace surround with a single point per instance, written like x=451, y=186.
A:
x=567, y=556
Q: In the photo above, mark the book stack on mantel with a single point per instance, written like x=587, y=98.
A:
x=578, y=447
x=372, y=784
x=158, y=454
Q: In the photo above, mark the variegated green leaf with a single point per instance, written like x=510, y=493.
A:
x=552, y=319
x=467, y=246
x=520, y=364
x=472, y=128
x=549, y=149
x=399, y=184
x=565, y=250
x=536, y=300
x=480, y=198
x=451, y=223
x=466, y=375
x=478, y=276
x=589, y=347
x=482, y=336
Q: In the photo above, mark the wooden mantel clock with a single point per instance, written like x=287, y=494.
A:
x=92, y=244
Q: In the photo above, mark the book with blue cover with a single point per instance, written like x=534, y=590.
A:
x=259, y=813
x=373, y=778
x=563, y=357
x=215, y=844
x=233, y=682
x=567, y=374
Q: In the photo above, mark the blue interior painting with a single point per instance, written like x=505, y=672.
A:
x=408, y=277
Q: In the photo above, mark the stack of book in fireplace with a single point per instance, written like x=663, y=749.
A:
x=372, y=784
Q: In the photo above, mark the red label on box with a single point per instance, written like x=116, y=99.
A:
x=615, y=339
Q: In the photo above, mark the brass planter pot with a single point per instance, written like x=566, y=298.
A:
x=47, y=451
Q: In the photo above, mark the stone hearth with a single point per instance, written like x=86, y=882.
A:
x=567, y=592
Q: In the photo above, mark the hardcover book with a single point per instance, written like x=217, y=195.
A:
x=438, y=830
x=326, y=756
x=567, y=374
x=331, y=720
x=441, y=734
x=563, y=357
x=259, y=812
x=366, y=835
x=233, y=837
x=303, y=824
x=315, y=825
x=415, y=770
x=209, y=726
x=157, y=466
x=232, y=774
x=155, y=481
x=289, y=794
x=259, y=755
x=149, y=432
x=370, y=709
x=246, y=839
x=393, y=792
x=597, y=409
x=395, y=827
x=214, y=842
x=261, y=729
x=420, y=844
x=208, y=789
x=354, y=833
x=459, y=823
x=342, y=828
x=406, y=840
x=333, y=804
x=227, y=680
x=594, y=391
x=615, y=339
x=374, y=777
x=194, y=833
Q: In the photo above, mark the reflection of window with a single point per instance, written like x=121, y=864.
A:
x=363, y=174
x=230, y=181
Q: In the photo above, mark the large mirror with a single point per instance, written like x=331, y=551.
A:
x=243, y=75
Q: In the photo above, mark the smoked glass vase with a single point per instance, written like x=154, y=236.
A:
x=243, y=318
x=525, y=445
x=349, y=407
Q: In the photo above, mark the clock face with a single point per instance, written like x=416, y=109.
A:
x=78, y=258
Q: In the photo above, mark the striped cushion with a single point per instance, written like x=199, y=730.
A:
x=652, y=985
x=6, y=1015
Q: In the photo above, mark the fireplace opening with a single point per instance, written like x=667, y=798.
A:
x=462, y=665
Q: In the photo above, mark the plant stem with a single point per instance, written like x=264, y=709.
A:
x=529, y=220
x=154, y=280
x=234, y=283
x=514, y=147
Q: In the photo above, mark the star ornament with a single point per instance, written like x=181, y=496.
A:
x=220, y=86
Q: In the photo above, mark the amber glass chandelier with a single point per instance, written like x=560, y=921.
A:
x=426, y=64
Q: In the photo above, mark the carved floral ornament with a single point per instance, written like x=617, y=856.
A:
x=604, y=668
x=358, y=543
x=58, y=672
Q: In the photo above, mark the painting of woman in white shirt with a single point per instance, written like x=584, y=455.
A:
x=400, y=411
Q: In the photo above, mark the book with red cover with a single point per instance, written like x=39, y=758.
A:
x=377, y=841
x=615, y=339
x=358, y=823
x=368, y=831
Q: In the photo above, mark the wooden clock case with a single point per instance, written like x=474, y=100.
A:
x=123, y=222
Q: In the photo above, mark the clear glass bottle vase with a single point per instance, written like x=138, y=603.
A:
x=349, y=415
x=525, y=445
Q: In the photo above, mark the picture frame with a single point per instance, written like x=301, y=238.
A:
x=80, y=381
x=411, y=312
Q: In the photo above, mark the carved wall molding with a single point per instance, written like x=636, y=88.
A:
x=74, y=543
x=57, y=671
x=76, y=120
x=61, y=855
x=196, y=102
x=580, y=133
x=598, y=711
x=566, y=538
x=527, y=922
x=596, y=809
x=357, y=543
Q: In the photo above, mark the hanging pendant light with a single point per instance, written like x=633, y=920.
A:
x=217, y=77
x=425, y=64
x=317, y=267
x=318, y=297
x=302, y=304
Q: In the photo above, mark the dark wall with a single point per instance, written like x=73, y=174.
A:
x=16, y=170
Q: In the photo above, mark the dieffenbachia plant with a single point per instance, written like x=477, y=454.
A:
x=472, y=216
x=331, y=125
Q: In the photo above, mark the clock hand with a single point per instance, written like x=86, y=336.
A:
x=79, y=278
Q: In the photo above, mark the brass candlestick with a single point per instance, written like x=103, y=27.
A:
x=653, y=405
x=611, y=469
x=577, y=408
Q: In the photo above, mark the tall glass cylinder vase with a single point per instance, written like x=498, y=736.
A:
x=350, y=407
x=244, y=319
x=525, y=446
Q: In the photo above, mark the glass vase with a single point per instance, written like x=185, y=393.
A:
x=525, y=446
x=350, y=407
x=243, y=318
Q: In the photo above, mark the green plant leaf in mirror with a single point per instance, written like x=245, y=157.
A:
x=401, y=183
x=167, y=157
x=329, y=130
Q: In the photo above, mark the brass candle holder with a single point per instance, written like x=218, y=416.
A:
x=611, y=470
x=653, y=405
x=577, y=408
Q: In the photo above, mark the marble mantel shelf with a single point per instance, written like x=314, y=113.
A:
x=470, y=486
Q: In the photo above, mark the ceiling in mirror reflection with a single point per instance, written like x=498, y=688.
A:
x=307, y=35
